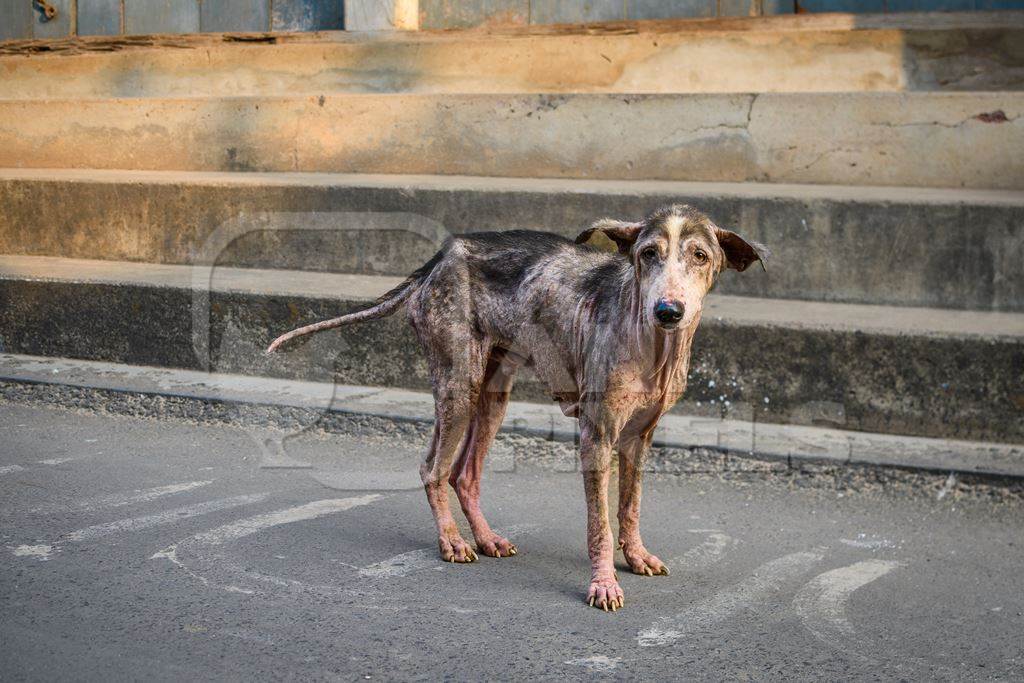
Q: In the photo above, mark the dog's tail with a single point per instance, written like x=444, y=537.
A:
x=385, y=305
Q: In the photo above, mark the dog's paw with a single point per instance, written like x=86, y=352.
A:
x=644, y=563
x=606, y=594
x=455, y=549
x=496, y=546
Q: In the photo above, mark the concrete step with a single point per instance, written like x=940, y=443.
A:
x=908, y=371
x=890, y=246
x=905, y=139
x=284, y=403
x=780, y=54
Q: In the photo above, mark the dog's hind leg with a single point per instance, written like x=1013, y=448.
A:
x=465, y=478
x=457, y=383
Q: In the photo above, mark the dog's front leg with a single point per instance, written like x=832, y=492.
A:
x=596, y=456
x=632, y=455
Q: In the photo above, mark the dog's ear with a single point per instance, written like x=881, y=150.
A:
x=740, y=253
x=608, y=232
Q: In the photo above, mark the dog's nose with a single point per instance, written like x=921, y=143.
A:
x=668, y=312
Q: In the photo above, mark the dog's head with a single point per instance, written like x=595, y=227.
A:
x=676, y=253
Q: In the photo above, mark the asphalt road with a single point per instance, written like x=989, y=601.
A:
x=136, y=548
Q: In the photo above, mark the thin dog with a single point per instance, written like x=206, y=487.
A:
x=608, y=332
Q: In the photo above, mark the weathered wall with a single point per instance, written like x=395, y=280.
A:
x=21, y=19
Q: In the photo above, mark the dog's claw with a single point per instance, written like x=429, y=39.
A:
x=606, y=594
x=454, y=549
x=495, y=546
x=643, y=562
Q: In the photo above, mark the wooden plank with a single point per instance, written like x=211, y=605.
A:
x=667, y=9
x=739, y=8
x=369, y=15
x=99, y=17
x=461, y=14
x=161, y=16
x=930, y=5
x=17, y=21
x=234, y=15
x=855, y=6
x=308, y=15
x=387, y=15
x=58, y=27
x=559, y=12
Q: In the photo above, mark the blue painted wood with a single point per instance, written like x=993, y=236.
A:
x=234, y=15
x=738, y=8
x=59, y=26
x=666, y=9
x=857, y=6
x=778, y=7
x=161, y=16
x=562, y=12
x=308, y=15
x=16, y=19
x=99, y=17
x=929, y=5
x=1000, y=4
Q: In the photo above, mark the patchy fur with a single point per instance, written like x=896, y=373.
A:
x=587, y=322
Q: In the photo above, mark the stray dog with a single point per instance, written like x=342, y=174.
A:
x=608, y=332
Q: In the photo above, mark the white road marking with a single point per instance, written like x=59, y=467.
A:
x=602, y=663
x=170, y=554
x=424, y=558
x=252, y=525
x=707, y=553
x=44, y=552
x=401, y=565
x=55, y=461
x=146, y=495
x=117, y=500
x=160, y=518
x=866, y=542
x=7, y=469
x=766, y=579
x=821, y=603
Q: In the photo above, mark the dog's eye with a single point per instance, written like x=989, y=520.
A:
x=649, y=254
x=700, y=255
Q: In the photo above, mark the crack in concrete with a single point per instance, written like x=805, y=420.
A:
x=976, y=117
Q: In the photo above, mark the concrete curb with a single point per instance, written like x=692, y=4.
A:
x=739, y=438
x=946, y=374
